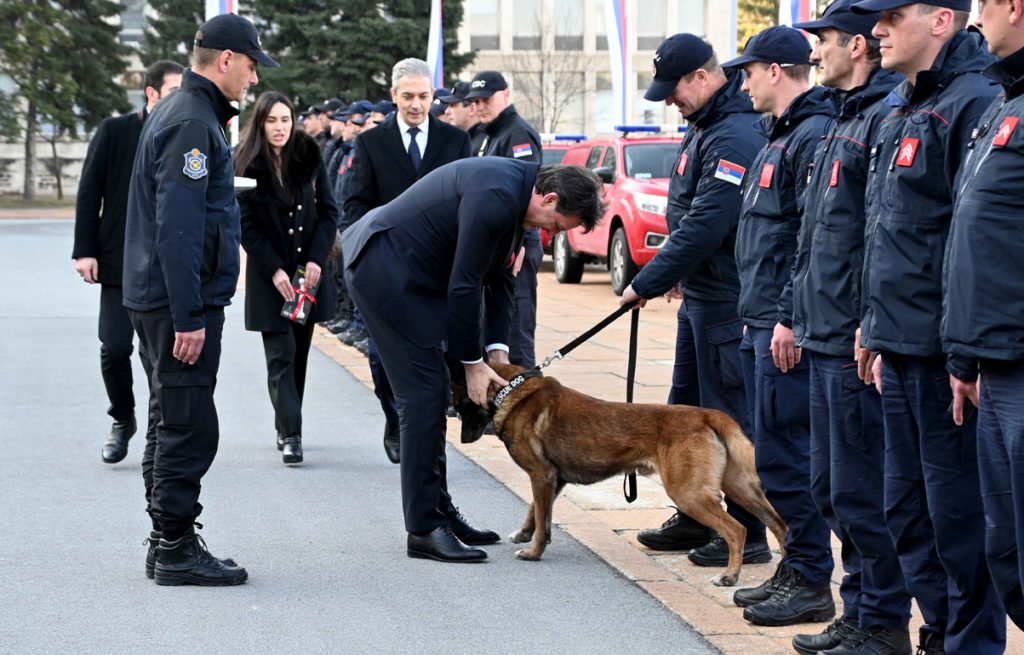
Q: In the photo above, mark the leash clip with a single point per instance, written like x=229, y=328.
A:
x=550, y=358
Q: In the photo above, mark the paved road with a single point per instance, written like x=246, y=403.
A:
x=323, y=543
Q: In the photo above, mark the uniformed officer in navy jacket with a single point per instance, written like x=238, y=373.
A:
x=847, y=440
x=776, y=71
x=933, y=505
x=181, y=261
x=983, y=312
x=419, y=269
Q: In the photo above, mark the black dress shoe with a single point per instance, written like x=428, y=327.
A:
x=443, y=546
x=292, y=451
x=876, y=641
x=469, y=535
x=793, y=602
x=280, y=441
x=716, y=553
x=115, y=448
x=152, y=542
x=187, y=561
x=680, y=532
x=835, y=634
x=763, y=591
x=392, y=443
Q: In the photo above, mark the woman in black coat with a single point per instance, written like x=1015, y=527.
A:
x=288, y=221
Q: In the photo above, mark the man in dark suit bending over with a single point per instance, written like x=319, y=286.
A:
x=418, y=269
x=386, y=162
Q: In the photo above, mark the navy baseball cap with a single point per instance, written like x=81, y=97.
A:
x=871, y=6
x=359, y=107
x=384, y=107
x=779, y=44
x=676, y=57
x=840, y=16
x=331, y=106
x=485, y=84
x=457, y=93
x=234, y=33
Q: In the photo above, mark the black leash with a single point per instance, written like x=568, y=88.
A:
x=629, y=482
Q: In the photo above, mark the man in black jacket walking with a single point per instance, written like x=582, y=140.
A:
x=847, y=441
x=99, y=248
x=387, y=160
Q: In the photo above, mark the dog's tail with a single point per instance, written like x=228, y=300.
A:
x=740, y=482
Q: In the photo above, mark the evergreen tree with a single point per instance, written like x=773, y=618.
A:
x=346, y=48
x=63, y=57
x=753, y=16
x=171, y=28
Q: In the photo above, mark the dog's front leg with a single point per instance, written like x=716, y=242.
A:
x=544, y=487
x=525, y=533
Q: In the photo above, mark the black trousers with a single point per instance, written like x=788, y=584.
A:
x=116, y=336
x=187, y=431
x=287, y=354
x=522, y=350
x=420, y=381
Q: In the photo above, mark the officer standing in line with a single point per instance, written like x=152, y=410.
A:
x=777, y=71
x=462, y=114
x=983, y=312
x=181, y=266
x=509, y=135
x=698, y=262
x=933, y=505
x=847, y=441
x=98, y=250
x=335, y=130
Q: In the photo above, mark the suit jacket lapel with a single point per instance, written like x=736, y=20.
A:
x=393, y=140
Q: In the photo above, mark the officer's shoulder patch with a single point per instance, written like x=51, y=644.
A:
x=195, y=164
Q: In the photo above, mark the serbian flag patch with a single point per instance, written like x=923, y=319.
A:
x=908, y=151
x=730, y=172
x=1005, y=131
x=522, y=150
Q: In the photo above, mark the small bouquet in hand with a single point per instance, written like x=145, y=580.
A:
x=299, y=309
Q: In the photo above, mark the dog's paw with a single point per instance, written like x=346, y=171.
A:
x=520, y=537
x=724, y=580
x=527, y=555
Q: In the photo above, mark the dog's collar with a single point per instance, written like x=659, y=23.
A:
x=513, y=384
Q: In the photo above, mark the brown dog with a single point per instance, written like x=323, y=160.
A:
x=561, y=436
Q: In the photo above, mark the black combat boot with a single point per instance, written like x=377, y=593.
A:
x=716, y=553
x=794, y=601
x=874, y=641
x=762, y=592
x=680, y=532
x=832, y=636
x=187, y=561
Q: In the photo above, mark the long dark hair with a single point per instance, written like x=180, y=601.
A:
x=254, y=144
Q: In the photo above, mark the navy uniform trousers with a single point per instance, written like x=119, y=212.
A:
x=522, y=349
x=933, y=506
x=187, y=432
x=1001, y=463
x=847, y=459
x=780, y=405
x=420, y=381
x=707, y=373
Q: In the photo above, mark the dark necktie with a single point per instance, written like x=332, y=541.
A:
x=414, y=149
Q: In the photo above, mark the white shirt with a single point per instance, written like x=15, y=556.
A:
x=421, y=138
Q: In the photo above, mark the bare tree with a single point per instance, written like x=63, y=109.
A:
x=549, y=80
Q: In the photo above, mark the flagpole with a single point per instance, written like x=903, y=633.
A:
x=435, y=44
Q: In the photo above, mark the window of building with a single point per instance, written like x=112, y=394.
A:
x=650, y=25
x=527, y=26
x=483, y=20
x=605, y=112
x=600, y=25
x=568, y=24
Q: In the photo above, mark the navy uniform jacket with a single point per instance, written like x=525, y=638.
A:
x=452, y=233
x=102, y=200
x=382, y=169
x=773, y=204
x=182, y=235
x=921, y=145
x=704, y=200
x=830, y=253
x=983, y=309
